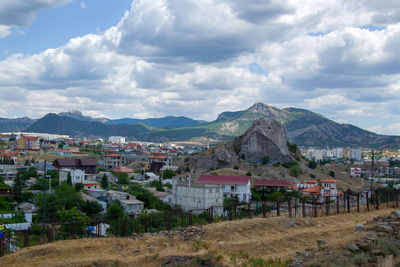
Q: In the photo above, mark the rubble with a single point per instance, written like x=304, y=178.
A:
x=191, y=233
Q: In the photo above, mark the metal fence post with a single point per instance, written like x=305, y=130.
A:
x=189, y=217
x=289, y=201
x=348, y=203
x=264, y=211
x=367, y=200
x=337, y=205
x=358, y=202
x=377, y=199
x=278, y=208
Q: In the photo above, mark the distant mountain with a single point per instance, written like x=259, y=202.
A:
x=304, y=127
x=55, y=124
x=164, y=122
x=15, y=125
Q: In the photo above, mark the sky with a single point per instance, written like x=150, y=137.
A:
x=198, y=58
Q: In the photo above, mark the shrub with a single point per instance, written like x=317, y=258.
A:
x=236, y=167
x=248, y=173
x=295, y=171
x=265, y=160
x=312, y=164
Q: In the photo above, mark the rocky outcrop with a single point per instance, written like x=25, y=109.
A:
x=265, y=137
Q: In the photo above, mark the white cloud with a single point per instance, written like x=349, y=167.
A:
x=200, y=58
x=83, y=5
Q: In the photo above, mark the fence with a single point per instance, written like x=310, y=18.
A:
x=348, y=202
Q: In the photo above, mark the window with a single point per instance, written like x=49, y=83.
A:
x=210, y=190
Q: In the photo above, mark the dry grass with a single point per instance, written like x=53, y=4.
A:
x=242, y=240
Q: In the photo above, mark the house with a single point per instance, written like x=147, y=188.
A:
x=233, y=185
x=127, y=201
x=327, y=188
x=192, y=195
x=163, y=196
x=85, y=164
x=79, y=176
x=87, y=197
x=112, y=161
x=123, y=169
x=156, y=162
x=271, y=185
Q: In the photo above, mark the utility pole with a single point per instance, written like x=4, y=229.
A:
x=372, y=169
x=44, y=200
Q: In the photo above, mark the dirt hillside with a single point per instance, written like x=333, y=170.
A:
x=221, y=244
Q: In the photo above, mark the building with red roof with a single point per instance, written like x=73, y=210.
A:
x=271, y=185
x=233, y=185
x=113, y=160
x=124, y=169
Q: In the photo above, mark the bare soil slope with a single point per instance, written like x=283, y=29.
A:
x=223, y=244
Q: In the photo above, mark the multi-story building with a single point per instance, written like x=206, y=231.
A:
x=27, y=143
x=233, y=185
x=112, y=161
x=355, y=154
x=191, y=195
x=117, y=139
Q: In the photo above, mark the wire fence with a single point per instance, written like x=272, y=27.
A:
x=317, y=206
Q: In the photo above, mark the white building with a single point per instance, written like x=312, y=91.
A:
x=77, y=176
x=233, y=185
x=337, y=152
x=127, y=201
x=117, y=139
x=355, y=154
x=192, y=195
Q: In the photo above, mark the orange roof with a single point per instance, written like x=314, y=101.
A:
x=311, y=182
x=329, y=180
x=112, y=155
x=157, y=157
x=313, y=190
x=123, y=169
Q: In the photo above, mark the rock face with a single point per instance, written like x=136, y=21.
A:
x=265, y=137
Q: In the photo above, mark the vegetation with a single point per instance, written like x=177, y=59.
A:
x=104, y=181
x=265, y=160
x=295, y=171
x=312, y=164
x=168, y=174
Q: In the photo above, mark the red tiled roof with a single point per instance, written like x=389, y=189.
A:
x=329, y=180
x=311, y=182
x=223, y=179
x=276, y=183
x=123, y=169
x=113, y=155
x=313, y=190
x=31, y=138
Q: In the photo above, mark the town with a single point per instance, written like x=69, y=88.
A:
x=98, y=181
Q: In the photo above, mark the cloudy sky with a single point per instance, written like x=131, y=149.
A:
x=197, y=58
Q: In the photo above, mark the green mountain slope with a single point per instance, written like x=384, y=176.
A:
x=303, y=127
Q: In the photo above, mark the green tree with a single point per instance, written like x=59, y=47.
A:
x=332, y=173
x=248, y=173
x=168, y=174
x=17, y=189
x=265, y=160
x=104, y=181
x=157, y=184
x=91, y=208
x=32, y=172
x=61, y=144
x=78, y=187
x=295, y=171
x=115, y=211
x=312, y=164
x=69, y=179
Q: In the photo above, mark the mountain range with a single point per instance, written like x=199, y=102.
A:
x=304, y=127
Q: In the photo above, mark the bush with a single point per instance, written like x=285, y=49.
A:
x=312, y=164
x=248, y=173
x=292, y=147
x=332, y=173
x=290, y=164
x=265, y=160
x=236, y=167
x=295, y=171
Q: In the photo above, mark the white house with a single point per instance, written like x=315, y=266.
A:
x=191, y=195
x=78, y=176
x=128, y=202
x=233, y=185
